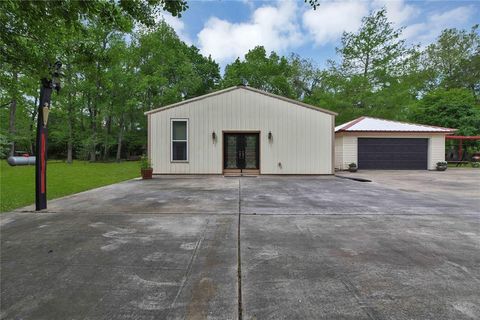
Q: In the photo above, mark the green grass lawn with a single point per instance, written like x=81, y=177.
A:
x=17, y=184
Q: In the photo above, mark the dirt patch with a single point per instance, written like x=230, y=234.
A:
x=202, y=292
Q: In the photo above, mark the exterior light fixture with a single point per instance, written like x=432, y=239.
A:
x=214, y=136
x=57, y=74
x=45, y=111
x=270, y=136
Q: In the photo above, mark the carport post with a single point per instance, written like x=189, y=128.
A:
x=460, y=149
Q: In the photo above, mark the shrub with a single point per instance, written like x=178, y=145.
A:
x=145, y=162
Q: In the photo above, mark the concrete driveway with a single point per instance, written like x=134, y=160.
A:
x=456, y=184
x=247, y=248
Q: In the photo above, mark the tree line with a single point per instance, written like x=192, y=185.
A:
x=116, y=68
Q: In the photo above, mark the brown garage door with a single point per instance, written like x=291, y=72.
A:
x=392, y=153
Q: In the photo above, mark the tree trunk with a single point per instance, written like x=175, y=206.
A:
x=93, y=126
x=69, y=152
x=11, y=127
x=70, y=117
x=472, y=87
x=96, y=106
x=108, y=127
x=93, y=156
x=367, y=63
x=32, y=125
x=13, y=111
x=70, y=134
x=119, y=144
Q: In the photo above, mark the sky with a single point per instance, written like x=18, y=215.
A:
x=227, y=29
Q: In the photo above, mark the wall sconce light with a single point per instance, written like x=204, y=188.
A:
x=214, y=136
x=270, y=136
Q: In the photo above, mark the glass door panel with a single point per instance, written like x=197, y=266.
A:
x=241, y=151
x=251, y=151
x=230, y=152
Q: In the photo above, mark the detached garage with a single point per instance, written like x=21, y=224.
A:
x=389, y=145
x=239, y=131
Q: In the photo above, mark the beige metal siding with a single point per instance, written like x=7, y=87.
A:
x=302, y=137
x=345, y=151
x=338, y=152
x=349, y=145
x=436, y=150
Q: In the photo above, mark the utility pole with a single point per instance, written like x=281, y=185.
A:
x=46, y=87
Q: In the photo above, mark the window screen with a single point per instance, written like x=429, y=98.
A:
x=179, y=140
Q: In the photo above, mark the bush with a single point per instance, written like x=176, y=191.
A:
x=145, y=162
x=4, y=146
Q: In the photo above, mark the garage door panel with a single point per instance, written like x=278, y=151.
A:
x=393, y=153
x=394, y=165
x=399, y=147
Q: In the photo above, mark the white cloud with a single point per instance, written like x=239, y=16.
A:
x=177, y=25
x=275, y=27
x=398, y=11
x=331, y=19
x=427, y=31
x=285, y=26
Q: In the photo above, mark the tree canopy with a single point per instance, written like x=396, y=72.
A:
x=270, y=73
x=454, y=108
x=33, y=34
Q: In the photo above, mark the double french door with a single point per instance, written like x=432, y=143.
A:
x=241, y=153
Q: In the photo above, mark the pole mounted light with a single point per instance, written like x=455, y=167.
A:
x=46, y=87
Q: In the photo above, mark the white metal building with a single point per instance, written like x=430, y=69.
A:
x=241, y=130
x=384, y=144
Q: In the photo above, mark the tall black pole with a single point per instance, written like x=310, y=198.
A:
x=46, y=87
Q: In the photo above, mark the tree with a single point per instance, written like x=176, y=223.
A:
x=375, y=51
x=454, y=108
x=377, y=75
x=454, y=59
x=17, y=95
x=271, y=74
x=33, y=33
x=305, y=76
x=169, y=70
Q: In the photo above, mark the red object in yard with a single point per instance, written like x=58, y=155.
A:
x=476, y=157
x=460, y=142
x=42, y=164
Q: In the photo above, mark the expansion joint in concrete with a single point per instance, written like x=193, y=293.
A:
x=239, y=254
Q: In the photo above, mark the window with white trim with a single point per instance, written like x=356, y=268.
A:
x=179, y=137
